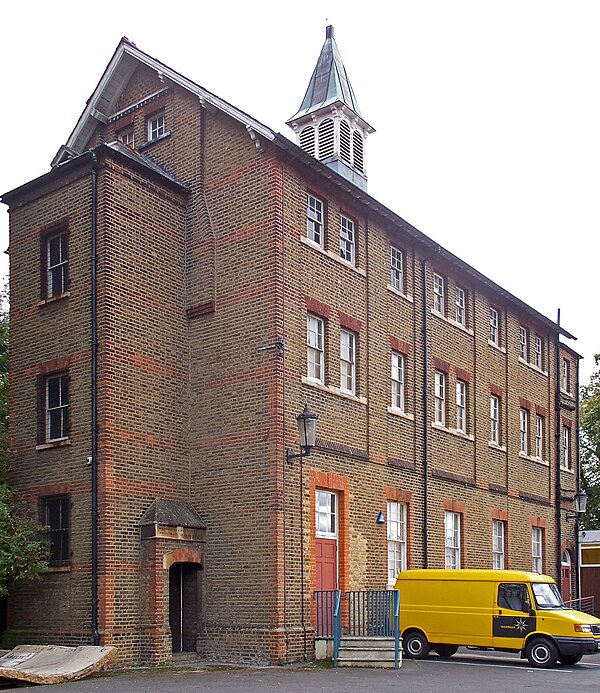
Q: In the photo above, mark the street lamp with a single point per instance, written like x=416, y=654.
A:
x=580, y=499
x=307, y=430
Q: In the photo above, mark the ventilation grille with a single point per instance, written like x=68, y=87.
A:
x=326, y=139
x=358, y=151
x=307, y=140
x=345, y=143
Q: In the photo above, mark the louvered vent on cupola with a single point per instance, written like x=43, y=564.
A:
x=307, y=140
x=326, y=139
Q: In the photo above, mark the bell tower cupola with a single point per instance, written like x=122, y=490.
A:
x=329, y=124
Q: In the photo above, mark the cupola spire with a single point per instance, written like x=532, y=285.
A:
x=329, y=124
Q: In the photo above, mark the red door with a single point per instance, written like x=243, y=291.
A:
x=326, y=564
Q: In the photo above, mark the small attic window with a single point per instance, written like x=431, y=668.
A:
x=126, y=136
x=307, y=140
x=156, y=126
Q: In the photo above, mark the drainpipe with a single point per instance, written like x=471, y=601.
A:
x=425, y=418
x=558, y=451
x=94, y=398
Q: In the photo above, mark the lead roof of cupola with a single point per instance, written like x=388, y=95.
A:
x=329, y=83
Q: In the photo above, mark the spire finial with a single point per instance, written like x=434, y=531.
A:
x=329, y=32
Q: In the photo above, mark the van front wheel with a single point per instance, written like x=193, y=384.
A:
x=415, y=645
x=541, y=653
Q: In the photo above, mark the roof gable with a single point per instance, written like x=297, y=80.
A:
x=104, y=100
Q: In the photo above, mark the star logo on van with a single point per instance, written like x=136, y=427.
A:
x=520, y=625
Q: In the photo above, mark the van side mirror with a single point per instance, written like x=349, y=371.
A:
x=526, y=605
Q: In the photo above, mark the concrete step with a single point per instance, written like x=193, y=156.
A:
x=367, y=652
x=372, y=642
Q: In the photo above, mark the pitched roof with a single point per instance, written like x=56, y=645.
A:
x=121, y=67
x=329, y=83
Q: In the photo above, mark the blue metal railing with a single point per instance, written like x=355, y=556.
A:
x=369, y=613
x=396, y=629
x=586, y=604
x=337, y=627
x=325, y=603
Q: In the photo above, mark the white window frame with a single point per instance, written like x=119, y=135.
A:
x=315, y=348
x=440, y=398
x=461, y=406
x=537, y=549
x=347, y=361
x=498, y=544
x=494, y=326
x=523, y=342
x=495, y=419
x=461, y=301
x=523, y=431
x=126, y=136
x=565, y=444
x=396, y=539
x=566, y=372
x=314, y=219
x=347, y=239
x=539, y=352
x=452, y=523
x=326, y=514
x=57, y=268
x=397, y=381
x=57, y=411
x=156, y=126
x=438, y=293
x=539, y=436
x=397, y=269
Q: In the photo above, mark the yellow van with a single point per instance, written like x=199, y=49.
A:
x=507, y=610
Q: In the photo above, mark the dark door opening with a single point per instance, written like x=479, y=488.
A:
x=184, y=605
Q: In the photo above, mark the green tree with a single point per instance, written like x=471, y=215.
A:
x=590, y=447
x=23, y=542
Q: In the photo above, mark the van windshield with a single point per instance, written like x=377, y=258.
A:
x=547, y=596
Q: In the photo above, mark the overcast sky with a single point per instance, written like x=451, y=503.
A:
x=487, y=112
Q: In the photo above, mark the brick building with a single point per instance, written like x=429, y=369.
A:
x=183, y=280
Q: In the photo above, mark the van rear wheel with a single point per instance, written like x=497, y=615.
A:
x=569, y=660
x=415, y=645
x=445, y=650
x=541, y=653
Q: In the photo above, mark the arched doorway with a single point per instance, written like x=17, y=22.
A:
x=565, y=576
x=184, y=605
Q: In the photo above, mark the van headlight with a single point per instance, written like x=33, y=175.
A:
x=583, y=628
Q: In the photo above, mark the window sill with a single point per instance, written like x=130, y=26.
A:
x=533, y=367
x=54, y=444
x=502, y=350
x=333, y=390
x=568, y=470
x=452, y=431
x=537, y=460
x=495, y=446
x=455, y=324
x=394, y=411
x=566, y=393
x=332, y=256
x=154, y=141
x=53, y=299
x=397, y=292
x=57, y=569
